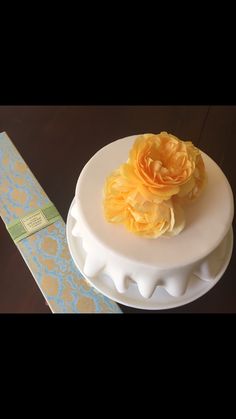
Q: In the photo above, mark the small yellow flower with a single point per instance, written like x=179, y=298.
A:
x=144, y=218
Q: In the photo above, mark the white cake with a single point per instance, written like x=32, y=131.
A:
x=165, y=262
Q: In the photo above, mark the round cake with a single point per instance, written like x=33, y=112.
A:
x=166, y=262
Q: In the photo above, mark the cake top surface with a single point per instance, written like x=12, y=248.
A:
x=207, y=219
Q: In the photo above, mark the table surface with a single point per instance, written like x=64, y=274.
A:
x=56, y=142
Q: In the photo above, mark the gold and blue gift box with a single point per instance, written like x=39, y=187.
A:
x=39, y=232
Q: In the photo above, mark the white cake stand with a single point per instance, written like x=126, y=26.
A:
x=160, y=299
x=145, y=273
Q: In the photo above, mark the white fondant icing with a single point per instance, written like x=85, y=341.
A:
x=120, y=280
x=93, y=265
x=164, y=262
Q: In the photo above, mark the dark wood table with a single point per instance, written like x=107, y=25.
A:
x=56, y=142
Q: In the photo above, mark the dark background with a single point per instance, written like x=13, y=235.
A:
x=56, y=142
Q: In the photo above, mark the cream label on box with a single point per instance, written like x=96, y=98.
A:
x=33, y=222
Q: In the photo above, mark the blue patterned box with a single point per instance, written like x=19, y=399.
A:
x=45, y=251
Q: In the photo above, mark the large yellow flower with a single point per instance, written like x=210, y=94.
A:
x=144, y=218
x=159, y=164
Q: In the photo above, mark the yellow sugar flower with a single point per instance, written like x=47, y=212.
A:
x=144, y=218
x=159, y=164
x=143, y=192
x=192, y=189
